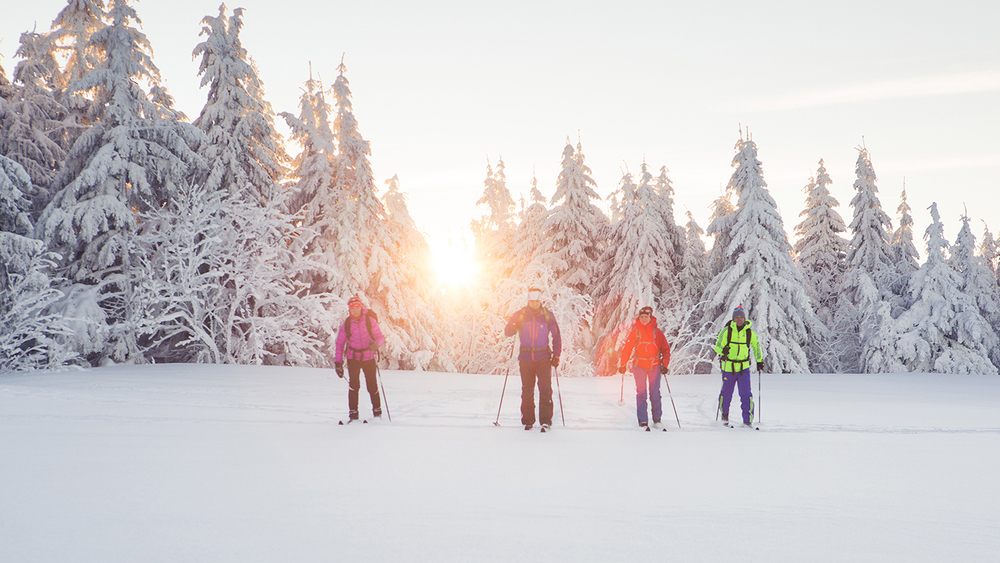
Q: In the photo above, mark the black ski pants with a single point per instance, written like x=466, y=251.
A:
x=540, y=372
x=354, y=368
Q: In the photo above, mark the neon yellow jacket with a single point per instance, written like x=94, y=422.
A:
x=739, y=348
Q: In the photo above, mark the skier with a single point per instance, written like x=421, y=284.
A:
x=362, y=336
x=535, y=324
x=652, y=356
x=733, y=346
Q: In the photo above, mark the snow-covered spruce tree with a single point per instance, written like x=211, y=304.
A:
x=31, y=121
x=978, y=282
x=244, y=151
x=720, y=229
x=574, y=226
x=528, y=237
x=666, y=289
x=32, y=335
x=990, y=252
x=868, y=253
x=71, y=38
x=494, y=230
x=904, y=251
x=821, y=250
x=629, y=271
x=314, y=199
x=413, y=303
x=695, y=274
x=15, y=185
x=943, y=331
x=665, y=203
x=131, y=160
x=762, y=277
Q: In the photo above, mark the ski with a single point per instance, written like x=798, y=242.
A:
x=546, y=427
x=350, y=420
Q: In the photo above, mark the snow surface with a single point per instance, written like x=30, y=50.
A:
x=236, y=463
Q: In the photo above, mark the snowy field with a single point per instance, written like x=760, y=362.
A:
x=228, y=463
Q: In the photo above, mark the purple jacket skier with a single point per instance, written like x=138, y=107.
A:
x=361, y=336
x=535, y=325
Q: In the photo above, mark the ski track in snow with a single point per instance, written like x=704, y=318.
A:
x=247, y=463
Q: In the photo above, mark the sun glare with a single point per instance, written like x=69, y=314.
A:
x=454, y=264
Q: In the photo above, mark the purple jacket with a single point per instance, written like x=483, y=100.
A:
x=357, y=348
x=535, y=330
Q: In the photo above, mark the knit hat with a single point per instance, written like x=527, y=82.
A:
x=354, y=302
x=738, y=312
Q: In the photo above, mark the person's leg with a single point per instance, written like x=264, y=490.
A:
x=728, y=385
x=746, y=396
x=641, y=376
x=543, y=372
x=371, y=381
x=527, y=393
x=353, y=385
x=654, y=393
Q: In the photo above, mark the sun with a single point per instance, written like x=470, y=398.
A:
x=454, y=264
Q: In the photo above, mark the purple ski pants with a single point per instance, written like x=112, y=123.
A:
x=739, y=379
x=647, y=378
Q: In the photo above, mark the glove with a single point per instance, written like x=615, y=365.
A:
x=725, y=351
x=555, y=361
x=663, y=370
x=760, y=367
x=373, y=347
x=621, y=369
x=339, y=367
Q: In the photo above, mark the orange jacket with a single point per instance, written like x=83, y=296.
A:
x=649, y=345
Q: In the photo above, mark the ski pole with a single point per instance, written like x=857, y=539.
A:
x=665, y=380
x=718, y=408
x=561, y=413
x=622, y=400
x=505, y=374
x=758, y=393
x=385, y=402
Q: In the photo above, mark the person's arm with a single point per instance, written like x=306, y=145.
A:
x=664, y=348
x=338, y=357
x=756, y=347
x=514, y=323
x=721, y=343
x=556, y=338
x=377, y=334
x=627, y=349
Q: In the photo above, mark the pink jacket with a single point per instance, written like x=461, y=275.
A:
x=357, y=348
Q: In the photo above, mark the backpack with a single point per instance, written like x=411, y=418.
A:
x=729, y=340
x=369, y=315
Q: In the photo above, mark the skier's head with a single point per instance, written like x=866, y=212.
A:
x=645, y=315
x=739, y=316
x=354, y=306
x=534, y=298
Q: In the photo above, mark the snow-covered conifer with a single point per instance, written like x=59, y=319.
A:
x=494, y=230
x=978, y=282
x=988, y=250
x=528, y=237
x=15, y=206
x=71, y=36
x=720, y=229
x=665, y=198
x=131, y=160
x=575, y=225
x=314, y=199
x=821, y=249
x=869, y=248
x=902, y=245
x=244, y=150
x=695, y=274
x=943, y=330
x=32, y=121
x=761, y=276
x=413, y=304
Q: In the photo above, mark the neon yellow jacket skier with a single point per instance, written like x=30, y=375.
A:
x=737, y=348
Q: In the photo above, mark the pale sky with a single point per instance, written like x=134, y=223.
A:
x=441, y=86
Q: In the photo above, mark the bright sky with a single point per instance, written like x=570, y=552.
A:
x=441, y=86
